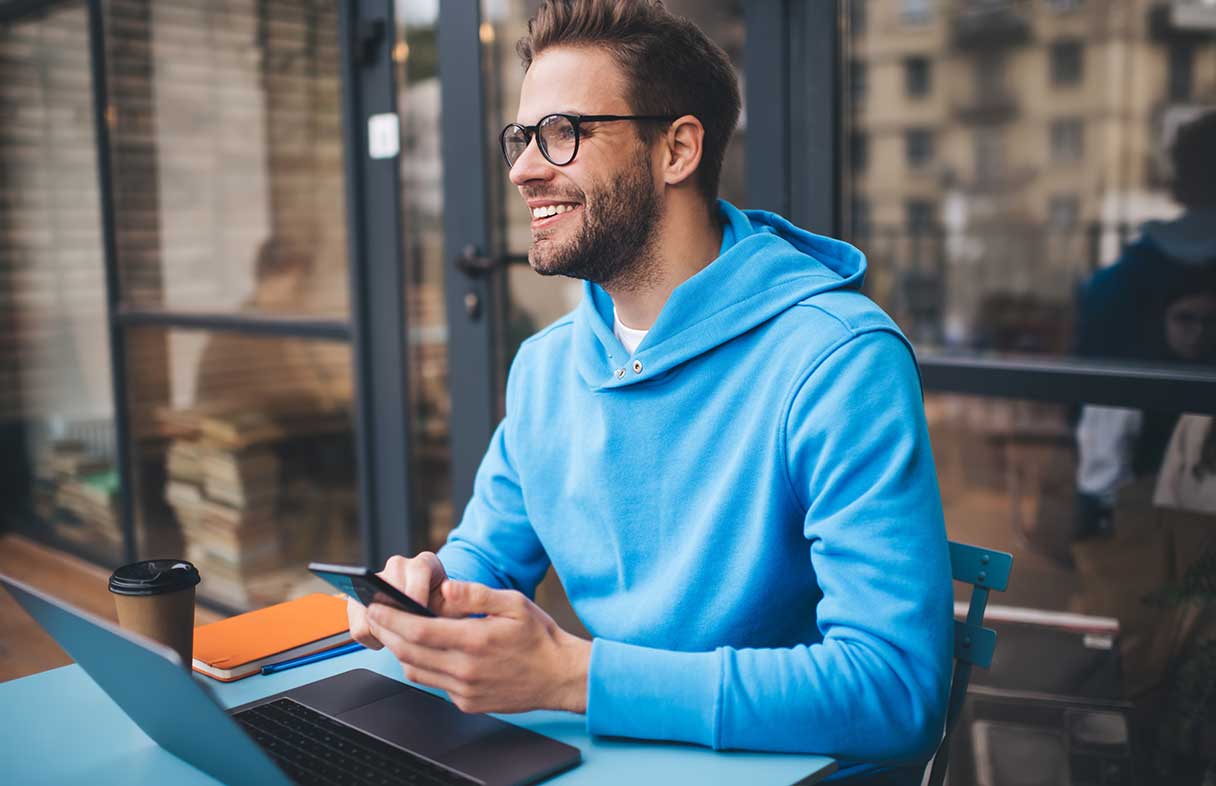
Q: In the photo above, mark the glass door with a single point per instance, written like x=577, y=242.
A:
x=58, y=477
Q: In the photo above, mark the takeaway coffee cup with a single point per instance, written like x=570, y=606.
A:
x=155, y=598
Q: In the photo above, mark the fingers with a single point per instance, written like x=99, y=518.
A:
x=422, y=575
x=417, y=577
x=395, y=571
x=465, y=635
x=462, y=598
x=356, y=615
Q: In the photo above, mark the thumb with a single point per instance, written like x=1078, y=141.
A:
x=464, y=598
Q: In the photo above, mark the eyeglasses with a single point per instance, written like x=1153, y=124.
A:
x=556, y=135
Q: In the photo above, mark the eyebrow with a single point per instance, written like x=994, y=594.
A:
x=556, y=112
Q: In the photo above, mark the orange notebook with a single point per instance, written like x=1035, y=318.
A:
x=239, y=646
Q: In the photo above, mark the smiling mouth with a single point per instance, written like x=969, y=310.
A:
x=546, y=215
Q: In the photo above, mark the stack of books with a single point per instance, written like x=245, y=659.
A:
x=77, y=492
x=236, y=483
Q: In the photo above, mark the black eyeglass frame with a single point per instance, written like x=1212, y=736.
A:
x=532, y=132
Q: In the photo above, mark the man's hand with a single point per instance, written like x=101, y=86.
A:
x=513, y=659
x=419, y=578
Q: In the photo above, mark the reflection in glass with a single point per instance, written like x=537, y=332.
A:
x=1068, y=209
x=244, y=460
x=226, y=135
x=57, y=476
x=1045, y=166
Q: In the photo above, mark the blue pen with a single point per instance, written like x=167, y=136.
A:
x=304, y=660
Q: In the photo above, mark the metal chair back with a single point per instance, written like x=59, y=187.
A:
x=985, y=570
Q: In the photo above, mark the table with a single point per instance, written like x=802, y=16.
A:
x=58, y=727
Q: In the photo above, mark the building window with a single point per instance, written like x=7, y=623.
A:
x=921, y=215
x=1067, y=140
x=1064, y=6
x=989, y=76
x=918, y=146
x=917, y=12
x=989, y=155
x=857, y=81
x=857, y=17
x=859, y=150
x=1067, y=63
x=917, y=76
x=1063, y=211
x=1181, y=71
x=859, y=217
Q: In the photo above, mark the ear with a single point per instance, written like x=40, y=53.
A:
x=682, y=149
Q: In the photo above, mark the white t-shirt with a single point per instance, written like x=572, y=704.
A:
x=629, y=337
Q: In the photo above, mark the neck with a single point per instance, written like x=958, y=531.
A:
x=687, y=239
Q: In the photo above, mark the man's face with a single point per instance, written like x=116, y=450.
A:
x=607, y=197
x=1190, y=327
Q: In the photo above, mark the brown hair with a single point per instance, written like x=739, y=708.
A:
x=671, y=67
x=1194, y=157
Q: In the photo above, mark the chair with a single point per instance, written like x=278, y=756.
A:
x=985, y=570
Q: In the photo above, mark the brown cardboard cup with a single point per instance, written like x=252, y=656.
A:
x=155, y=598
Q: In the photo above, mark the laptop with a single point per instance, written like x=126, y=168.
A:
x=355, y=727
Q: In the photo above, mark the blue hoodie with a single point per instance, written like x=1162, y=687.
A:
x=744, y=514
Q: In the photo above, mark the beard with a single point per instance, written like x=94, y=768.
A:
x=614, y=243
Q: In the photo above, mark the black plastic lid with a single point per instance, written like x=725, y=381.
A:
x=153, y=577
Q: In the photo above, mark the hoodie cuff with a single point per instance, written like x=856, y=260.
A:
x=653, y=694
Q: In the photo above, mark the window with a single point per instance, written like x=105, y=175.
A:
x=917, y=12
x=921, y=215
x=989, y=155
x=917, y=76
x=918, y=145
x=1067, y=140
x=989, y=76
x=1067, y=63
x=859, y=150
x=1181, y=72
x=857, y=81
x=1064, y=6
x=1063, y=211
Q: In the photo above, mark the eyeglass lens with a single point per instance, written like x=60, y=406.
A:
x=557, y=140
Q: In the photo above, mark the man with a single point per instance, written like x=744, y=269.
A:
x=721, y=452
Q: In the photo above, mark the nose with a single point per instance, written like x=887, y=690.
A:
x=531, y=166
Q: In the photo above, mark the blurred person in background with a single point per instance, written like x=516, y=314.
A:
x=722, y=452
x=1125, y=314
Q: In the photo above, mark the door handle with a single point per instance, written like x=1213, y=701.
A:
x=475, y=264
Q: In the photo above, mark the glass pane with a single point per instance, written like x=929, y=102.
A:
x=57, y=478
x=1110, y=515
x=244, y=459
x=534, y=301
x=1027, y=197
x=227, y=150
x=417, y=59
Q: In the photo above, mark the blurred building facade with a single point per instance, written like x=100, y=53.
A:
x=1002, y=150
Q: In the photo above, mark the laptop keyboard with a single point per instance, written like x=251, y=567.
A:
x=315, y=749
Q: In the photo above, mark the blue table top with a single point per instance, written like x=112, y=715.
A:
x=58, y=727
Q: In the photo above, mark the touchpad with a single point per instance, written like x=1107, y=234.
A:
x=423, y=723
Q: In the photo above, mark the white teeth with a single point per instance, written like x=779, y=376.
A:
x=550, y=210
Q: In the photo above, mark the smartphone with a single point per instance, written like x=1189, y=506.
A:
x=366, y=587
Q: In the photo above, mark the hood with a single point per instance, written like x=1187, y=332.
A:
x=1190, y=238
x=766, y=266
